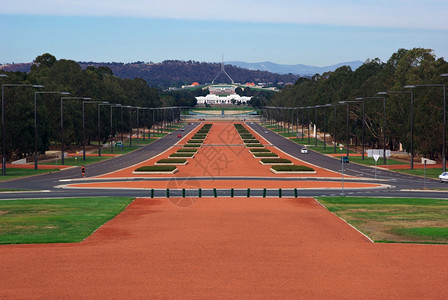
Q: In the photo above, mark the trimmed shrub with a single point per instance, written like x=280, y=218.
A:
x=251, y=141
x=195, y=141
x=172, y=161
x=260, y=150
x=294, y=168
x=156, y=169
x=275, y=161
x=265, y=154
x=247, y=136
x=188, y=150
x=184, y=154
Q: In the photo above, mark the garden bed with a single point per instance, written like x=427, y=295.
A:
x=293, y=169
x=187, y=150
x=183, y=154
x=192, y=146
x=156, y=170
x=172, y=162
x=264, y=155
x=254, y=146
x=275, y=161
x=258, y=150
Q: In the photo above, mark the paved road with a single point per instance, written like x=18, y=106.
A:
x=401, y=185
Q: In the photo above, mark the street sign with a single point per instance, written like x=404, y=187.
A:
x=376, y=156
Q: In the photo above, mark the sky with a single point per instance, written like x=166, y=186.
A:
x=310, y=32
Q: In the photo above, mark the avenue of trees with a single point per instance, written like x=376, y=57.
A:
x=97, y=83
x=405, y=67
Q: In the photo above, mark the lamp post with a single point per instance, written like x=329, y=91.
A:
x=412, y=120
x=3, y=118
x=99, y=126
x=444, y=116
x=35, y=123
x=324, y=124
x=62, y=122
x=384, y=122
x=111, y=126
x=363, y=122
x=84, y=126
x=346, y=140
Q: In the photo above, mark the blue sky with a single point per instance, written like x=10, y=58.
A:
x=312, y=32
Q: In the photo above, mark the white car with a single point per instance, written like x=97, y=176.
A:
x=443, y=177
x=304, y=150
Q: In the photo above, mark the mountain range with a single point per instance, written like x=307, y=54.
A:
x=299, y=69
x=176, y=73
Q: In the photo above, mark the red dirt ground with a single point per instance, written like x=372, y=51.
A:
x=224, y=248
x=223, y=154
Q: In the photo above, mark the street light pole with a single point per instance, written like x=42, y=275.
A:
x=62, y=122
x=444, y=116
x=111, y=127
x=412, y=120
x=35, y=123
x=3, y=118
x=99, y=125
x=384, y=122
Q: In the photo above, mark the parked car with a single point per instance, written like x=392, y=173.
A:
x=344, y=159
x=182, y=129
x=443, y=177
x=119, y=144
x=304, y=150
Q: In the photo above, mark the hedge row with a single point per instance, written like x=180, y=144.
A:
x=172, y=161
x=255, y=150
x=189, y=150
x=156, y=169
x=295, y=168
x=265, y=154
x=275, y=160
x=185, y=154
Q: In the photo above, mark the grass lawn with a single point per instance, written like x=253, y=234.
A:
x=430, y=173
x=77, y=161
x=391, y=220
x=118, y=150
x=67, y=220
x=12, y=173
x=369, y=161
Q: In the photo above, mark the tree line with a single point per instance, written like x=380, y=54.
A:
x=416, y=66
x=97, y=83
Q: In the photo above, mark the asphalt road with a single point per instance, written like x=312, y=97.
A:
x=47, y=185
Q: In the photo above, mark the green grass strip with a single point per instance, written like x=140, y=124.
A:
x=192, y=146
x=254, y=145
x=12, y=173
x=275, y=160
x=405, y=220
x=67, y=220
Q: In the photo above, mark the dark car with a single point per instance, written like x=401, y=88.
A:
x=344, y=159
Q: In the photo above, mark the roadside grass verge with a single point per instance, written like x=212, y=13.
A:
x=394, y=220
x=77, y=160
x=430, y=173
x=117, y=150
x=12, y=173
x=67, y=220
x=369, y=161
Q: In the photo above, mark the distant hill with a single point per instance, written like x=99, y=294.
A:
x=177, y=73
x=302, y=70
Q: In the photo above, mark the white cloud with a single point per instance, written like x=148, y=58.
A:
x=429, y=14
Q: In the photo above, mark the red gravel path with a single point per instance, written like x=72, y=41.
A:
x=224, y=248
